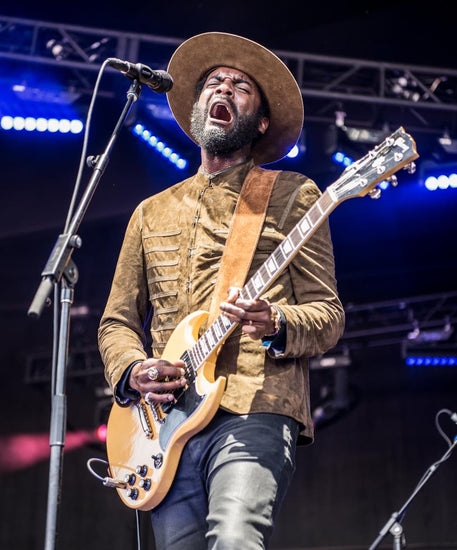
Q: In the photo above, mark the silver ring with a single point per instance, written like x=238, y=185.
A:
x=152, y=373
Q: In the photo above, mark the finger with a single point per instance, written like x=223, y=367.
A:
x=234, y=313
x=153, y=397
x=160, y=369
x=233, y=294
x=253, y=305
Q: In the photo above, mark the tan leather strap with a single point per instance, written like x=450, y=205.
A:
x=244, y=233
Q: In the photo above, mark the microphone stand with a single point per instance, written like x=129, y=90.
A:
x=60, y=271
x=393, y=525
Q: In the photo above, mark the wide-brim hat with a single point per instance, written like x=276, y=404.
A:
x=201, y=53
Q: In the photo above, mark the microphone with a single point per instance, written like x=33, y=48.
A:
x=158, y=81
x=453, y=417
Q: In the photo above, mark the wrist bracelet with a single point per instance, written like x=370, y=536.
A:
x=276, y=320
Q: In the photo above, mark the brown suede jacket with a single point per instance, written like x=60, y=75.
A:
x=170, y=259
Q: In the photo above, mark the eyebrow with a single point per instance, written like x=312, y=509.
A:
x=236, y=79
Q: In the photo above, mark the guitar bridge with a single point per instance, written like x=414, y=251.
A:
x=144, y=420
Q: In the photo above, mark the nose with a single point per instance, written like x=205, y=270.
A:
x=225, y=87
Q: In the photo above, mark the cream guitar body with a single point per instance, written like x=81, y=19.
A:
x=145, y=443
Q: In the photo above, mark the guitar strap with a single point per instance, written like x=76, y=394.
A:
x=244, y=232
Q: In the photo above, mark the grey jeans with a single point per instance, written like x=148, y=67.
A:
x=229, y=485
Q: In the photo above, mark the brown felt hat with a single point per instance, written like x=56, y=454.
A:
x=199, y=54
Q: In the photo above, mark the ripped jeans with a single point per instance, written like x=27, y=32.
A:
x=229, y=485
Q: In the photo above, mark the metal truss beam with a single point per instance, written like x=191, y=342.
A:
x=369, y=93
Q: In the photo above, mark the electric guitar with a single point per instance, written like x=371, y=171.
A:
x=145, y=440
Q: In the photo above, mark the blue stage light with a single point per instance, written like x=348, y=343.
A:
x=341, y=158
x=41, y=124
x=431, y=360
x=160, y=146
x=443, y=181
x=293, y=152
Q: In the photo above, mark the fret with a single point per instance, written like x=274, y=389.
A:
x=198, y=352
x=265, y=275
x=286, y=246
x=204, y=345
x=193, y=359
x=247, y=293
x=217, y=329
x=304, y=226
x=313, y=215
x=327, y=201
x=279, y=256
x=257, y=281
x=271, y=265
x=210, y=337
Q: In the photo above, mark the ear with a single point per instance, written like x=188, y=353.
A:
x=263, y=124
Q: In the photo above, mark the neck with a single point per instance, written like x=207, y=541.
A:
x=214, y=163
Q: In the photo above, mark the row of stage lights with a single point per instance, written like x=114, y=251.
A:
x=436, y=183
x=431, y=361
x=76, y=126
x=41, y=124
x=160, y=146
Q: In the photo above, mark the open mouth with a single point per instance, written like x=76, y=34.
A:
x=219, y=113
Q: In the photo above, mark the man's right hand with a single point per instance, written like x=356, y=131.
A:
x=157, y=379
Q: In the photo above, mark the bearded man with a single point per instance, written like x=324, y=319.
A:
x=242, y=106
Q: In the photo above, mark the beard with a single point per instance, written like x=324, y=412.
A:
x=218, y=141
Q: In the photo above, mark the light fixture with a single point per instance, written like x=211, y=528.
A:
x=299, y=148
x=159, y=146
x=448, y=144
x=41, y=124
x=438, y=176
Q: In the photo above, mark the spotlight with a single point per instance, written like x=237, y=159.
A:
x=60, y=50
x=448, y=144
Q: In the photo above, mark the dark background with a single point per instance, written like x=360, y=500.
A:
x=375, y=447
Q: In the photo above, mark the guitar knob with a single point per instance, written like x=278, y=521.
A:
x=142, y=470
x=145, y=484
x=132, y=493
x=375, y=193
x=130, y=479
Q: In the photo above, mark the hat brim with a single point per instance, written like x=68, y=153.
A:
x=197, y=55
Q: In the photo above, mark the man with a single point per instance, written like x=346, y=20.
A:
x=241, y=104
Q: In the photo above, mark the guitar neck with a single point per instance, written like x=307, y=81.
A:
x=264, y=277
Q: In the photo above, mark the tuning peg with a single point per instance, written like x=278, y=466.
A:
x=411, y=167
x=375, y=193
x=393, y=180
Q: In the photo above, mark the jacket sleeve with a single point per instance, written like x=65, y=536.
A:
x=121, y=335
x=314, y=315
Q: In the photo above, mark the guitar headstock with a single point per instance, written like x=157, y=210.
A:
x=361, y=178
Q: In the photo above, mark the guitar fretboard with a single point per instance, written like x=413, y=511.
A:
x=262, y=279
x=395, y=152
